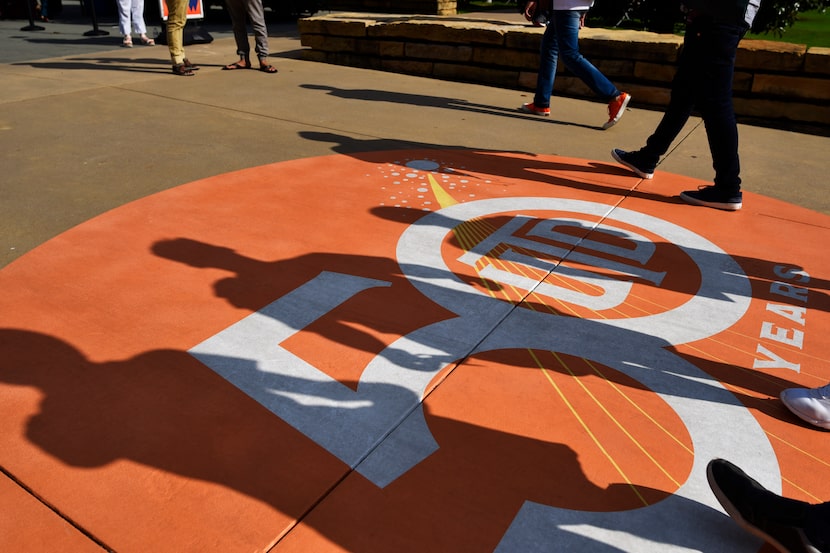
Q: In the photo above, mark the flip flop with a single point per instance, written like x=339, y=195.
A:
x=241, y=64
x=267, y=68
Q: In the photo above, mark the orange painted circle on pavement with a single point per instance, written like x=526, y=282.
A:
x=417, y=350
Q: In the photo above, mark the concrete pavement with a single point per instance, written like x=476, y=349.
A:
x=89, y=125
x=222, y=330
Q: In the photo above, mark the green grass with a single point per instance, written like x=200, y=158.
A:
x=483, y=6
x=811, y=28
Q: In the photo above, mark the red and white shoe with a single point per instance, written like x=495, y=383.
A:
x=616, y=109
x=535, y=110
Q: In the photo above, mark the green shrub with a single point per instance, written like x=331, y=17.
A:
x=776, y=16
x=662, y=16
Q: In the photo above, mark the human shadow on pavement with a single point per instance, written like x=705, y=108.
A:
x=376, y=95
x=131, y=65
x=532, y=167
x=359, y=325
x=163, y=410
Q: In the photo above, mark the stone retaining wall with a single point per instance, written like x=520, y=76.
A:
x=772, y=80
x=428, y=7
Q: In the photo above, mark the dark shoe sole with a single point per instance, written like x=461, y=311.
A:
x=725, y=206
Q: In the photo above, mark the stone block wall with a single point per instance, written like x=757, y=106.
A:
x=424, y=7
x=773, y=81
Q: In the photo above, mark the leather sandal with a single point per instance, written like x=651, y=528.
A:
x=243, y=63
x=266, y=67
x=182, y=70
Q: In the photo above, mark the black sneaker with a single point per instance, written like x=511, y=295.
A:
x=634, y=161
x=710, y=196
x=777, y=520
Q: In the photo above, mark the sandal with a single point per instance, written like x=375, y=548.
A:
x=190, y=65
x=243, y=63
x=182, y=70
x=127, y=42
x=147, y=41
x=266, y=67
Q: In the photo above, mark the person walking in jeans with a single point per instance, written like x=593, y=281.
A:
x=561, y=38
x=704, y=81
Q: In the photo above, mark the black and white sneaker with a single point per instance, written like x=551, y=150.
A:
x=711, y=196
x=777, y=520
x=635, y=161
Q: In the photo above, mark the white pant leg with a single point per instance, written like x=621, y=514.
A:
x=138, y=17
x=124, y=9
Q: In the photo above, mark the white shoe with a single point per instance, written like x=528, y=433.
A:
x=809, y=404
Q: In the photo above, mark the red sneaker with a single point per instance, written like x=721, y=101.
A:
x=535, y=110
x=616, y=108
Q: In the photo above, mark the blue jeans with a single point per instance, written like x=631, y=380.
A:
x=561, y=38
x=704, y=81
